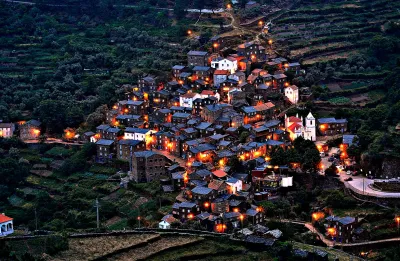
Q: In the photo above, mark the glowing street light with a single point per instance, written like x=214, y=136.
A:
x=260, y=22
x=189, y=32
x=228, y=6
x=270, y=42
x=206, y=204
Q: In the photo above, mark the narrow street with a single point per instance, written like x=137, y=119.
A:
x=178, y=160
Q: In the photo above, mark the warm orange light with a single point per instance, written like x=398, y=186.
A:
x=190, y=216
x=221, y=162
x=270, y=42
x=286, y=65
x=260, y=22
x=286, y=84
x=215, y=45
x=36, y=132
x=398, y=219
x=206, y=204
x=241, y=217
x=259, y=209
x=115, y=107
x=253, y=57
x=145, y=96
x=332, y=231
x=189, y=32
x=126, y=110
x=180, y=82
x=323, y=127
x=189, y=164
x=116, y=123
x=236, y=210
x=318, y=215
x=228, y=6
x=267, y=158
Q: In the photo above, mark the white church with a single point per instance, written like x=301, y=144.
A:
x=298, y=127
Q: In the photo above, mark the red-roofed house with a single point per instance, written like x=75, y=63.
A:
x=208, y=93
x=6, y=225
x=219, y=173
x=220, y=76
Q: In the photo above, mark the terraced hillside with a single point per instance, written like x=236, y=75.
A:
x=328, y=31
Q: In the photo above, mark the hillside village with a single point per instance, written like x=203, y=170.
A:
x=213, y=132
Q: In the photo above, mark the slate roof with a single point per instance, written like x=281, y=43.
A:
x=229, y=215
x=347, y=220
x=274, y=143
x=203, y=125
x=202, y=190
x=272, y=123
x=331, y=120
x=203, y=173
x=34, y=123
x=249, y=109
x=279, y=76
x=136, y=130
x=178, y=67
x=251, y=212
x=197, y=53
x=348, y=139
x=201, y=68
x=187, y=205
x=276, y=233
x=104, y=142
x=145, y=154
x=102, y=127
x=129, y=142
x=181, y=115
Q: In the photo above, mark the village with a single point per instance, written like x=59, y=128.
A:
x=212, y=133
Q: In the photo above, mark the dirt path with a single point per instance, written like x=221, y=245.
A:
x=151, y=249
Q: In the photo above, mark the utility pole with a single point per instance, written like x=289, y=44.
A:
x=36, y=220
x=97, y=206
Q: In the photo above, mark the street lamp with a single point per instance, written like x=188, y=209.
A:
x=398, y=223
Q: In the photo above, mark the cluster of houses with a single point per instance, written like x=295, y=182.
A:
x=215, y=109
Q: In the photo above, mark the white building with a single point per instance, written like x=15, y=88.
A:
x=166, y=222
x=296, y=127
x=229, y=64
x=292, y=93
x=186, y=100
x=138, y=134
x=235, y=185
x=6, y=225
x=6, y=130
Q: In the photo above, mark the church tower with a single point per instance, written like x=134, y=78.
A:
x=311, y=127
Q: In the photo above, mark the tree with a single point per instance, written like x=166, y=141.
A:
x=199, y=4
x=278, y=157
x=179, y=9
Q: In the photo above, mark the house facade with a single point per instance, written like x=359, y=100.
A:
x=6, y=225
x=6, y=130
x=147, y=166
